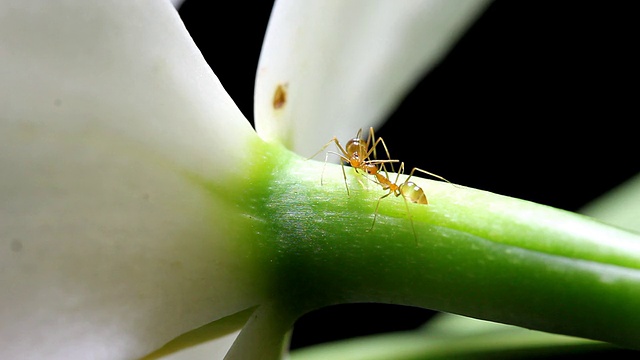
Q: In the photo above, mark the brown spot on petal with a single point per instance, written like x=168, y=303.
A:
x=280, y=96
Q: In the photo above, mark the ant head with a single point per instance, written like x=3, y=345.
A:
x=371, y=169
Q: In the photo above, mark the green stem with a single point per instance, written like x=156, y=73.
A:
x=473, y=253
x=413, y=345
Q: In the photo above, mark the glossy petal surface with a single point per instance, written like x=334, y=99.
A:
x=108, y=247
x=328, y=68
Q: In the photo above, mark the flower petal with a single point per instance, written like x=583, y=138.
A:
x=108, y=247
x=330, y=68
x=619, y=206
x=177, y=3
x=265, y=336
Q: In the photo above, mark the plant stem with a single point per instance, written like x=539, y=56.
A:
x=477, y=254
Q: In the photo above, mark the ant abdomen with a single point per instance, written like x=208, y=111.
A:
x=356, y=148
x=413, y=193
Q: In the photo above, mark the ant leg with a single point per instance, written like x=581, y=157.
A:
x=343, y=158
x=342, y=161
x=384, y=168
x=415, y=235
x=324, y=165
x=371, y=139
x=428, y=173
x=386, y=150
x=381, y=162
x=375, y=213
x=344, y=175
x=358, y=171
x=406, y=204
x=400, y=171
x=334, y=139
x=375, y=145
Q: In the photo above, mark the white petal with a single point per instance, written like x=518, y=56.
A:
x=177, y=3
x=347, y=64
x=265, y=336
x=619, y=206
x=108, y=245
x=205, y=351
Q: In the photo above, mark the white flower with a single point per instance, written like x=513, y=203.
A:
x=120, y=150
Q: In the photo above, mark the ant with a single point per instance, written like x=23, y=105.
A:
x=357, y=154
x=408, y=189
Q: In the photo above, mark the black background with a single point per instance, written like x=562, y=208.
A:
x=535, y=102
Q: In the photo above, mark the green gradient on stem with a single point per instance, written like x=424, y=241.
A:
x=448, y=335
x=505, y=343
x=478, y=254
